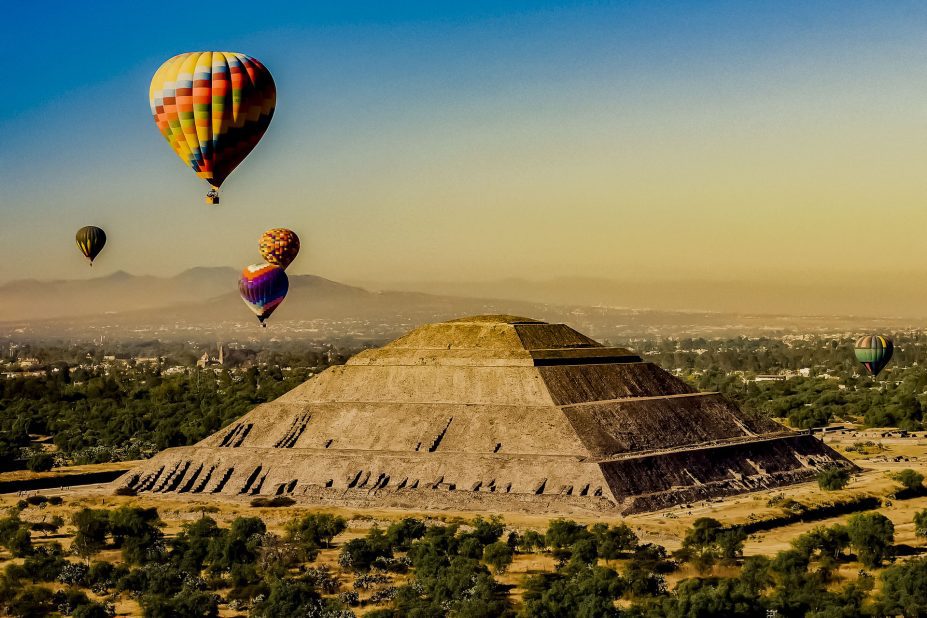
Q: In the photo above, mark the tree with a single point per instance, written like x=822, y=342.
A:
x=920, y=524
x=359, y=554
x=40, y=462
x=190, y=547
x=238, y=545
x=530, y=541
x=911, y=480
x=136, y=531
x=14, y=535
x=290, y=597
x=315, y=530
x=613, y=541
x=400, y=534
x=708, y=542
x=562, y=533
x=33, y=602
x=832, y=479
x=92, y=528
x=488, y=530
x=498, y=556
x=577, y=591
x=829, y=542
x=904, y=589
x=872, y=536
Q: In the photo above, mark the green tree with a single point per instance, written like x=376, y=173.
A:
x=92, y=528
x=910, y=480
x=400, y=534
x=614, y=541
x=136, y=531
x=289, y=597
x=872, y=536
x=904, y=589
x=498, y=556
x=831, y=479
x=708, y=542
x=314, y=530
x=920, y=523
x=191, y=546
x=41, y=462
x=530, y=541
x=360, y=554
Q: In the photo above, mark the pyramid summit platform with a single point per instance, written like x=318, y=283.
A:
x=494, y=413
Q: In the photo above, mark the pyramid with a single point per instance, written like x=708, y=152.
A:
x=495, y=413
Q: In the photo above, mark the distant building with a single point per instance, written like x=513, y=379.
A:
x=206, y=361
x=769, y=378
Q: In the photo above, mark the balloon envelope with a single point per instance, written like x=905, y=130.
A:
x=874, y=352
x=279, y=246
x=212, y=108
x=90, y=241
x=263, y=287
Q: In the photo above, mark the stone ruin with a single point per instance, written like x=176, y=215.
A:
x=494, y=413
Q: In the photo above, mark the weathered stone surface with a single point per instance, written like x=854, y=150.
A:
x=491, y=413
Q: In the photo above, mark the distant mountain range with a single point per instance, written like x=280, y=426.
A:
x=209, y=296
x=204, y=303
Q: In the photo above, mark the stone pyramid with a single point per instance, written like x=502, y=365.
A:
x=492, y=413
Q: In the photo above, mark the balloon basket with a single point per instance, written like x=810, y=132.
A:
x=212, y=199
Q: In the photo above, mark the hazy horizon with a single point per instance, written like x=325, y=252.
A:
x=772, y=146
x=786, y=295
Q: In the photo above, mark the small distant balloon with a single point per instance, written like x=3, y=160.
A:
x=874, y=352
x=263, y=287
x=90, y=241
x=212, y=108
x=279, y=246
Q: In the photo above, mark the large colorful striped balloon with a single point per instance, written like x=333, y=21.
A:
x=212, y=108
x=279, y=246
x=874, y=352
x=90, y=241
x=263, y=287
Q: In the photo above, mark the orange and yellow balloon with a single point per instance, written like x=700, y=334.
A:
x=212, y=108
x=279, y=246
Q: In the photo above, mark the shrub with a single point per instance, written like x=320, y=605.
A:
x=276, y=501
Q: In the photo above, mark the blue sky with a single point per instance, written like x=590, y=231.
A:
x=453, y=140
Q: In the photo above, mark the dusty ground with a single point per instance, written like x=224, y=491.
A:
x=878, y=461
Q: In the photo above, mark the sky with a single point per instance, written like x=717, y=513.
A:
x=477, y=141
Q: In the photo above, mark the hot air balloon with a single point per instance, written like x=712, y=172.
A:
x=874, y=352
x=212, y=108
x=279, y=246
x=90, y=241
x=263, y=287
